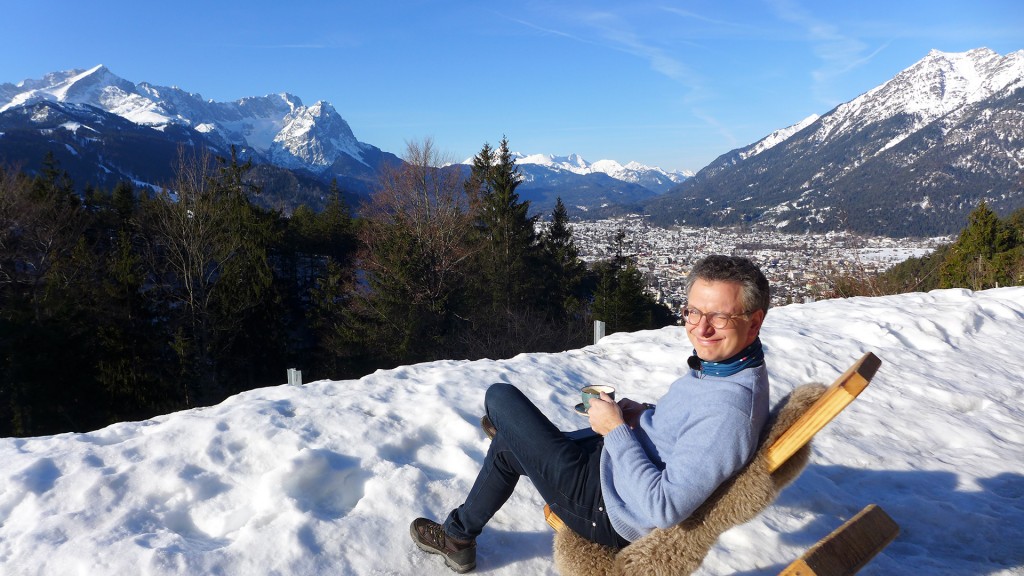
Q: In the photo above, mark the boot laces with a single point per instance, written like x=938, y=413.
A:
x=435, y=533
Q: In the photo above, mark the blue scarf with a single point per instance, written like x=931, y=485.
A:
x=750, y=356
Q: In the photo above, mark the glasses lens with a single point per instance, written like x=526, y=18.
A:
x=719, y=320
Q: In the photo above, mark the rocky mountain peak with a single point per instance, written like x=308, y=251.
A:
x=911, y=156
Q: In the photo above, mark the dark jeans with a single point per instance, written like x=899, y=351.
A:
x=564, y=469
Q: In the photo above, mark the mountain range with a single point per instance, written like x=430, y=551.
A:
x=589, y=190
x=102, y=129
x=912, y=156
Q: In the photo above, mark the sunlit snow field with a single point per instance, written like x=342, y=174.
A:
x=324, y=478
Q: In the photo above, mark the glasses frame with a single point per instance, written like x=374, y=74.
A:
x=714, y=318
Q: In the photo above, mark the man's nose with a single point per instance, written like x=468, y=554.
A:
x=704, y=326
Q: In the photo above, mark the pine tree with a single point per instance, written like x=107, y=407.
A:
x=510, y=239
x=1011, y=262
x=128, y=357
x=336, y=228
x=46, y=332
x=971, y=261
x=510, y=316
x=478, y=185
x=621, y=299
x=565, y=270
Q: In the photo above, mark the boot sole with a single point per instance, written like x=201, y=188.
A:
x=488, y=427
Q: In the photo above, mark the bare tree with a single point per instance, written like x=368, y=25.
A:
x=211, y=258
x=415, y=245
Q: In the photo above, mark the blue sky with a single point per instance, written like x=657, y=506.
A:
x=671, y=84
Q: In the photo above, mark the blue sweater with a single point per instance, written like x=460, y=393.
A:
x=701, y=433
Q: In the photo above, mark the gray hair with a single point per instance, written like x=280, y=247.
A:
x=742, y=271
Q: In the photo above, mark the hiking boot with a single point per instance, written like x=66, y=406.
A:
x=459, y=555
x=488, y=426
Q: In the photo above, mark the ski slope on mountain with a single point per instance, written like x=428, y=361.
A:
x=324, y=478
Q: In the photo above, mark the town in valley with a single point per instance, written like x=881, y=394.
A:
x=799, y=266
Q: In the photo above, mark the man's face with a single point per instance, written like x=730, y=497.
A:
x=717, y=344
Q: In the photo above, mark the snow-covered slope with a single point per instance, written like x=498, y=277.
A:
x=324, y=478
x=933, y=87
x=314, y=136
x=776, y=137
x=938, y=84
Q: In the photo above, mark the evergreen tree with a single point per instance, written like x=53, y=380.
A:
x=336, y=228
x=129, y=356
x=621, y=300
x=971, y=262
x=314, y=243
x=510, y=313
x=563, y=260
x=509, y=248
x=45, y=331
x=478, y=185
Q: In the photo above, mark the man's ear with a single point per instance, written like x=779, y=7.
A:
x=756, y=319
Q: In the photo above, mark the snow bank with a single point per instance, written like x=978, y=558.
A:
x=324, y=478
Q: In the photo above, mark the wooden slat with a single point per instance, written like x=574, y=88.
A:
x=553, y=520
x=838, y=396
x=847, y=549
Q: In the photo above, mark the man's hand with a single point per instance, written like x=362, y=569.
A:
x=605, y=415
x=631, y=411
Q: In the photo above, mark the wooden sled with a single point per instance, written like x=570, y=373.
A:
x=680, y=549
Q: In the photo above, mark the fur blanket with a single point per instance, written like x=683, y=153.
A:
x=679, y=550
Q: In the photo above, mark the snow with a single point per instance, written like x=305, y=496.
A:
x=940, y=83
x=315, y=136
x=778, y=137
x=573, y=162
x=891, y=255
x=633, y=171
x=324, y=478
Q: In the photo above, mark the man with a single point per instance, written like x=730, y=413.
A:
x=644, y=468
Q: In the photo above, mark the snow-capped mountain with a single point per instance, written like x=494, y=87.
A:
x=156, y=106
x=588, y=189
x=938, y=85
x=277, y=129
x=652, y=178
x=69, y=115
x=314, y=136
x=912, y=156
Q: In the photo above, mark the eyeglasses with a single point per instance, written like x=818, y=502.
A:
x=717, y=320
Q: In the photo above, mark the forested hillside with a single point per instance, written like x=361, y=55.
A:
x=988, y=253
x=123, y=304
